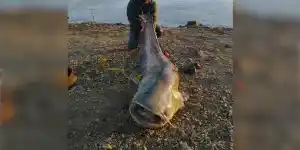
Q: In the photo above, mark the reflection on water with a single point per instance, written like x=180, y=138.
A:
x=174, y=13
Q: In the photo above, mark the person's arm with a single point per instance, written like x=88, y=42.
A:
x=133, y=12
x=154, y=11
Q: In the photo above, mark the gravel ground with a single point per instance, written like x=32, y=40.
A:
x=99, y=117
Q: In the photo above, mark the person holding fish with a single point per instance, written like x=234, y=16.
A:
x=134, y=9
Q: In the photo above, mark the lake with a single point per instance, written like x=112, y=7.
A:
x=171, y=13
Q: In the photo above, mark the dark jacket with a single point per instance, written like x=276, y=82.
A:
x=137, y=7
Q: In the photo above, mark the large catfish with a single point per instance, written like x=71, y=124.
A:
x=157, y=98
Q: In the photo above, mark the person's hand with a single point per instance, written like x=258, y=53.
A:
x=142, y=26
x=142, y=23
x=147, y=1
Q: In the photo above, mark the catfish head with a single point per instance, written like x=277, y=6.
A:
x=158, y=98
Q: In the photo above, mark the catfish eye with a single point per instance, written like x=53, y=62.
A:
x=147, y=92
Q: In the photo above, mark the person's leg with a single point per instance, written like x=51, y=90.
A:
x=158, y=31
x=135, y=29
x=133, y=36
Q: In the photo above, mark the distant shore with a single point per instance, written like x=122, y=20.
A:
x=170, y=26
x=91, y=23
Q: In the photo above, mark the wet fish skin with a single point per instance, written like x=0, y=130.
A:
x=158, y=92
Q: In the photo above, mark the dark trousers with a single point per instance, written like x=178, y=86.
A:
x=134, y=34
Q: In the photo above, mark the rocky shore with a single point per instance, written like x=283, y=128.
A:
x=99, y=118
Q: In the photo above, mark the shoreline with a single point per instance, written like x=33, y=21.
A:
x=96, y=26
x=164, y=26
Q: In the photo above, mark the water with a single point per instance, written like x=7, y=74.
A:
x=171, y=13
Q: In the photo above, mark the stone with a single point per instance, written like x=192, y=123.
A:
x=228, y=46
x=218, y=30
x=193, y=23
x=185, y=146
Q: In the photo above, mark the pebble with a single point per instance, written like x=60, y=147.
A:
x=223, y=98
x=185, y=146
x=108, y=147
x=228, y=46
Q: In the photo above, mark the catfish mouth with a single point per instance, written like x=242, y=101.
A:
x=145, y=117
